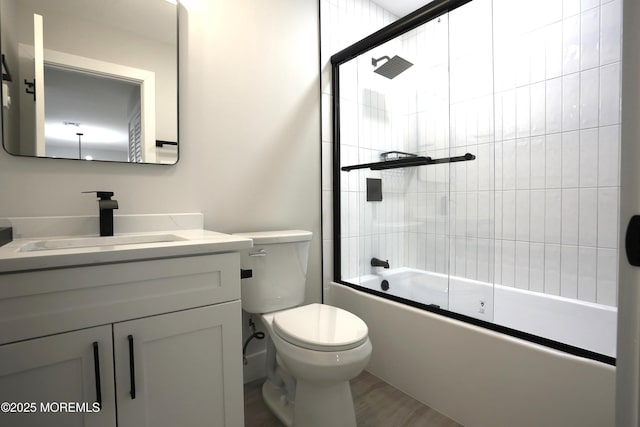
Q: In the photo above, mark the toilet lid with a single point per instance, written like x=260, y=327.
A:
x=320, y=327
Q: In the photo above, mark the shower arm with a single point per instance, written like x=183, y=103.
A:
x=375, y=61
x=409, y=162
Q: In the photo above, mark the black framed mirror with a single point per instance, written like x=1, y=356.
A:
x=90, y=79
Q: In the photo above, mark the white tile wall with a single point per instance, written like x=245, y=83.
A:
x=536, y=267
x=539, y=104
x=366, y=227
x=569, y=271
x=589, y=37
x=552, y=269
x=610, y=32
x=570, y=101
x=556, y=164
x=589, y=157
x=553, y=105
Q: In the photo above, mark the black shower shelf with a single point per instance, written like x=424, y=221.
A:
x=408, y=162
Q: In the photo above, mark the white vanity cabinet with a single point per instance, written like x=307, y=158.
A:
x=186, y=368
x=58, y=368
x=168, y=329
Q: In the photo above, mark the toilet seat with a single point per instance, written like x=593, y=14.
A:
x=320, y=327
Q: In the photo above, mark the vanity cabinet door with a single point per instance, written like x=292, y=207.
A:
x=180, y=369
x=44, y=374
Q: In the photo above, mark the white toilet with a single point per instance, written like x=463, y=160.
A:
x=313, y=350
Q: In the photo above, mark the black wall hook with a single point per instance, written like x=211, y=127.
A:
x=31, y=87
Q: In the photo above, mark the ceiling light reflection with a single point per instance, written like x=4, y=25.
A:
x=90, y=134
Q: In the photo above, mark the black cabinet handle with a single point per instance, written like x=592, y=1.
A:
x=132, y=368
x=96, y=367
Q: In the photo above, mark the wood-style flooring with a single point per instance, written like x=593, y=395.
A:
x=377, y=404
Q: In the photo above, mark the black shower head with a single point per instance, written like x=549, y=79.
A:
x=392, y=68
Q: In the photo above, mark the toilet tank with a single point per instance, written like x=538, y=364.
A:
x=278, y=261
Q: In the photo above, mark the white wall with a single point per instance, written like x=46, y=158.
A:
x=249, y=132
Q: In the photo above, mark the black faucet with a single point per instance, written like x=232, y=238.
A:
x=375, y=262
x=106, y=207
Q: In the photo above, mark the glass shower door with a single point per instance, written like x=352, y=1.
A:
x=394, y=219
x=424, y=231
x=472, y=184
x=482, y=181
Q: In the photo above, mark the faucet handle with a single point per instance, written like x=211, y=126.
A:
x=103, y=195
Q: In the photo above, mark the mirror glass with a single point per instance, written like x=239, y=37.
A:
x=90, y=79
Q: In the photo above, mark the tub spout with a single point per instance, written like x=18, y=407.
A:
x=375, y=262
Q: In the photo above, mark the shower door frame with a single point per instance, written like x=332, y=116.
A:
x=415, y=19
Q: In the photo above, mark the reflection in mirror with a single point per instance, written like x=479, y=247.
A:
x=90, y=79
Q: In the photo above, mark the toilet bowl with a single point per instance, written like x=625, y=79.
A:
x=322, y=347
x=313, y=350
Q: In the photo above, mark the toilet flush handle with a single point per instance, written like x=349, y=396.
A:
x=258, y=252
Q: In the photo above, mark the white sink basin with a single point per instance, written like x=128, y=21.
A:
x=89, y=242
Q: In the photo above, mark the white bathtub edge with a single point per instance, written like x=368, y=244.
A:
x=501, y=380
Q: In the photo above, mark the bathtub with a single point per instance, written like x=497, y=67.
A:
x=580, y=324
x=476, y=376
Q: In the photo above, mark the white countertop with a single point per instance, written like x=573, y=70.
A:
x=194, y=240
